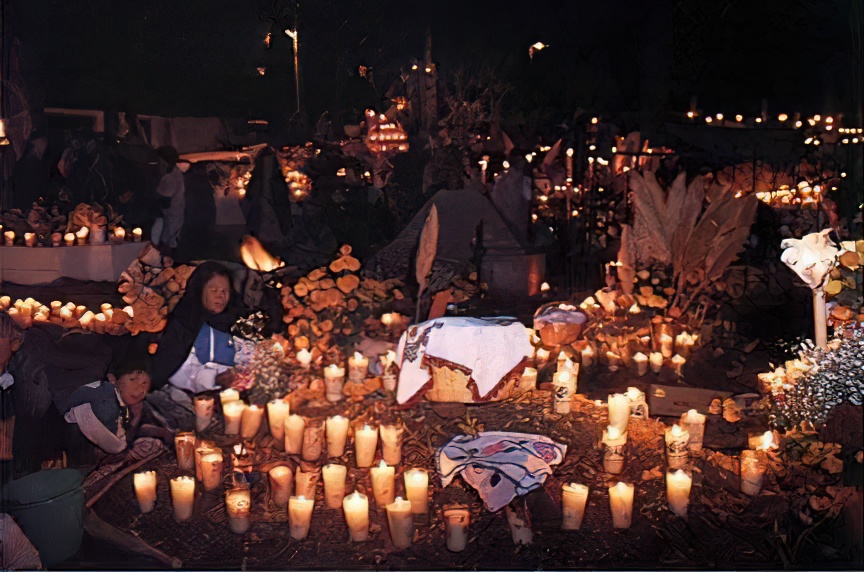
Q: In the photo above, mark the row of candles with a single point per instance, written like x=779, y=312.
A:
x=80, y=237
x=69, y=315
x=358, y=369
x=683, y=342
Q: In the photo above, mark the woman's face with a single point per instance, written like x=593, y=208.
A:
x=217, y=292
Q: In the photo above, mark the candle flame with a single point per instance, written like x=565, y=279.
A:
x=613, y=432
x=676, y=430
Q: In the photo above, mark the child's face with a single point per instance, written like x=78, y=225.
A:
x=133, y=386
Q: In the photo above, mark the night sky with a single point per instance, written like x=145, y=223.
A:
x=199, y=57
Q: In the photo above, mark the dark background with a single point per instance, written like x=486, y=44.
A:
x=199, y=57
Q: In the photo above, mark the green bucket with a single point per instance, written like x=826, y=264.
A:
x=48, y=506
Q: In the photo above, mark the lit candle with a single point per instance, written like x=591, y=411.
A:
x=587, y=356
x=69, y=239
x=334, y=380
x=358, y=367
x=677, y=452
x=305, y=483
x=241, y=461
x=184, y=447
x=383, y=484
x=387, y=321
x=388, y=375
x=619, y=411
x=678, y=491
x=66, y=314
x=641, y=361
x=119, y=234
x=391, y=443
x=761, y=441
x=564, y=384
x=573, y=499
x=299, y=516
x=528, y=381
x=613, y=360
x=29, y=239
x=313, y=440
x=684, y=343
x=202, y=449
x=678, y=363
x=277, y=410
x=365, y=443
x=145, y=490
x=5, y=301
x=56, y=305
x=400, y=520
x=621, y=504
x=456, y=522
x=356, y=508
x=753, y=467
x=233, y=413
x=281, y=481
x=304, y=357
x=81, y=235
x=613, y=450
x=203, y=405
x=211, y=470
x=182, y=497
x=337, y=435
x=137, y=234
x=9, y=235
x=417, y=490
x=694, y=423
x=56, y=238
x=542, y=356
x=562, y=361
x=229, y=395
x=294, y=428
x=656, y=361
x=250, y=421
x=520, y=526
x=238, y=503
x=334, y=484
x=667, y=345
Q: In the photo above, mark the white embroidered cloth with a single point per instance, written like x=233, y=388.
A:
x=499, y=464
x=488, y=347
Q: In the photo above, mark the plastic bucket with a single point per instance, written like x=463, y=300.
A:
x=48, y=506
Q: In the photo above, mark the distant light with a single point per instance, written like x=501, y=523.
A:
x=594, y=121
x=539, y=46
x=691, y=115
x=708, y=119
x=782, y=117
x=798, y=124
x=739, y=118
x=592, y=147
x=428, y=69
x=719, y=117
x=829, y=119
x=414, y=67
x=843, y=175
x=817, y=117
x=758, y=120
x=506, y=164
x=570, y=152
x=812, y=122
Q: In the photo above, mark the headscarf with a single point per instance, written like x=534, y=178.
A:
x=188, y=318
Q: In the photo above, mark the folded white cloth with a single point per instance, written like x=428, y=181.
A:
x=489, y=347
x=499, y=464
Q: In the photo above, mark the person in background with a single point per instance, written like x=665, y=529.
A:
x=11, y=338
x=106, y=414
x=172, y=197
x=196, y=351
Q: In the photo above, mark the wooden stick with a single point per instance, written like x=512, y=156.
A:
x=122, y=473
x=98, y=528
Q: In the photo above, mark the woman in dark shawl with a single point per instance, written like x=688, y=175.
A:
x=196, y=350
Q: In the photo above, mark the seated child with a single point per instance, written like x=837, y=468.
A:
x=104, y=413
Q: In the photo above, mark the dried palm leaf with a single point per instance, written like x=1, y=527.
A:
x=649, y=236
x=627, y=268
x=427, y=249
x=686, y=222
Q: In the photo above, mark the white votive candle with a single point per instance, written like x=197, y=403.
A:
x=277, y=411
x=203, y=405
x=656, y=361
x=184, y=448
x=238, y=503
x=228, y=395
x=641, y=361
x=365, y=443
x=233, y=413
x=528, y=381
x=613, y=450
x=334, y=484
x=294, y=428
x=304, y=358
x=694, y=423
x=667, y=345
x=456, y=522
x=400, y=520
x=621, y=504
x=753, y=467
x=678, y=363
x=573, y=499
x=211, y=470
x=391, y=443
x=677, y=451
x=619, y=411
x=417, y=490
x=678, y=486
x=250, y=421
x=202, y=449
x=145, y=490
x=587, y=356
x=299, y=516
x=337, y=435
x=334, y=381
x=564, y=384
x=281, y=481
x=356, y=508
x=183, y=497
x=383, y=484
x=358, y=367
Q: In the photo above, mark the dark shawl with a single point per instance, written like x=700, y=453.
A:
x=186, y=321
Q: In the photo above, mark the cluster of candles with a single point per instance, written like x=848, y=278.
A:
x=81, y=237
x=672, y=350
x=295, y=491
x=25, y=312
x=358, y=369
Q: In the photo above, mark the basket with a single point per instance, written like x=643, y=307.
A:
x=450, y=384
x=555, y=333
